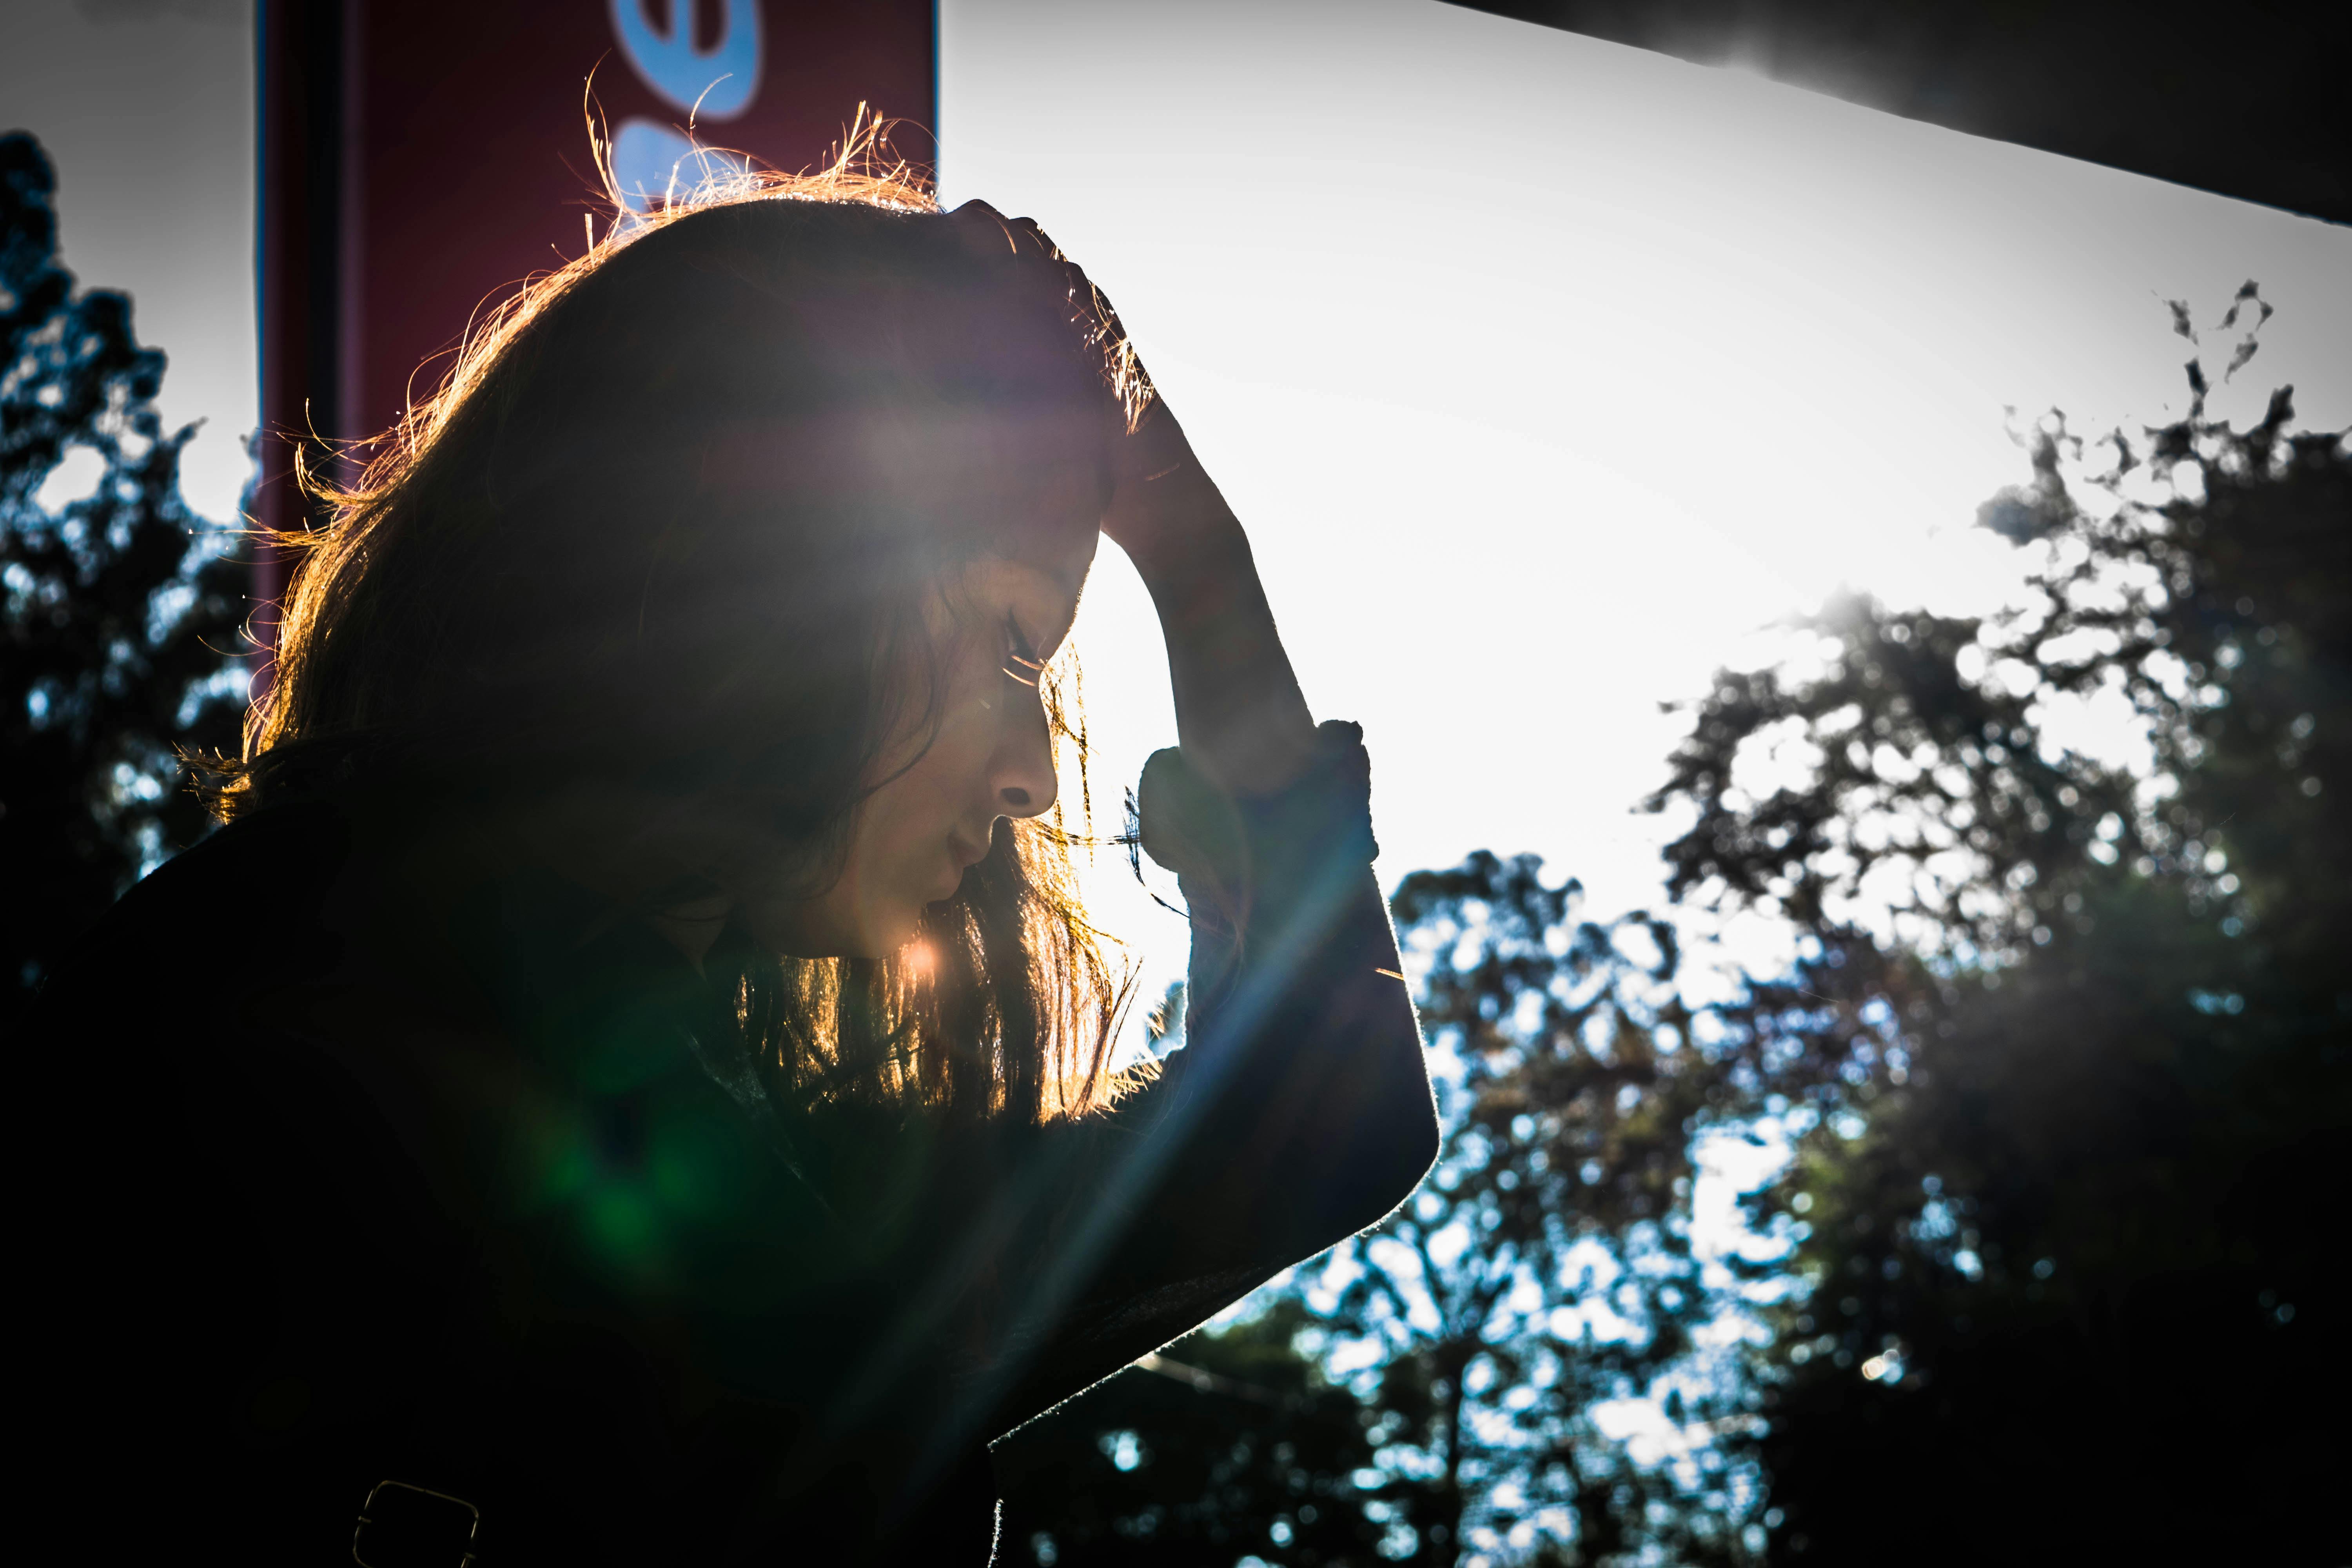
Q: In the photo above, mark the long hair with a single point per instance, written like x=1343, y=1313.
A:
x=658, y=526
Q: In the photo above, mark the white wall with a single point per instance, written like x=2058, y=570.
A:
x=147, y=109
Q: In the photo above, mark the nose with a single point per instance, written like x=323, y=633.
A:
x=1022, y=772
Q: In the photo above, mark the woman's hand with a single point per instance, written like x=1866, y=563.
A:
x=1163, y=504
x=1239, y=712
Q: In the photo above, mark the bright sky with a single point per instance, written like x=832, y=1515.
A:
x=1545, y=371
x=147, y=109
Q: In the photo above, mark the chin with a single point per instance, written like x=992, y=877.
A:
x=885, y=926
x=890, y=932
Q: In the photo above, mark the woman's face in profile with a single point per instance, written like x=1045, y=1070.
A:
x=1027, y=464
x=992, y=755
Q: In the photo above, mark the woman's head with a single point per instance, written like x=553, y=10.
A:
x=755, y=529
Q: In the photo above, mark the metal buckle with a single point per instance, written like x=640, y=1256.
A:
x=404, y=1526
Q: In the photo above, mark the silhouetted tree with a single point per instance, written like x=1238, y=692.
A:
x=1240, y=1448
x=2077, y=1232
x=1546, y=1270
x=1544, y=1276
x=115, y=610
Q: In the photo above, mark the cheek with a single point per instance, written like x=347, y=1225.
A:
x=908, y=821
x=896, y=821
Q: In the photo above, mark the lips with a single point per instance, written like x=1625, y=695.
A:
x=963, y=854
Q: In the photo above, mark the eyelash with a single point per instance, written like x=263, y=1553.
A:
x=1023, y=656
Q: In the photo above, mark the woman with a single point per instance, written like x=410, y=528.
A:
x=630, y=1082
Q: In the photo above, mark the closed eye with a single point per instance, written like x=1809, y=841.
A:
x=1023, y=663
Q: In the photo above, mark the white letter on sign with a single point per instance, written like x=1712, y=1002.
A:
x=653, y=165
x=725, y=79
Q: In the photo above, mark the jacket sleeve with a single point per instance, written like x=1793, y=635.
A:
x=1297, y=1112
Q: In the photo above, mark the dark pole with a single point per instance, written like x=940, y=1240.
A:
x=305, y=81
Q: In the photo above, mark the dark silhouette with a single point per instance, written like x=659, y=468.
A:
x=653, y=1102
x=118, y=614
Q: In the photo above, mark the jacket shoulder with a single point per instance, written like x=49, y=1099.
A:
x=235, y=910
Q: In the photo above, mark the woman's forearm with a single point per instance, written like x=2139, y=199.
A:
x=1239, y=712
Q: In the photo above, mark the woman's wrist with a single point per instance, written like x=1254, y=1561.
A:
x=1239, y=713
x=1166, y=511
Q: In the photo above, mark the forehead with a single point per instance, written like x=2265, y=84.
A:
x=1059, y=565
x=965, y=462
x=1040, y=591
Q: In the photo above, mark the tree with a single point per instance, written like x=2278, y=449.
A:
x=1242, y=1448
x=116, y=611
x=2074, y=1234
x=1547, y=1272
x=1482, y=1342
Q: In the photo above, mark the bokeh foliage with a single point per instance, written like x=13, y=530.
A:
x=1244, y=1448
x=1540, y=1359
x=118, y=610
x=2077, y=1265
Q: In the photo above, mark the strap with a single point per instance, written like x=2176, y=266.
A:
x=406, y=1526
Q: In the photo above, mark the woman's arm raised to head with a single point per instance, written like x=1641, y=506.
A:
x=1240, y=715
x=1323, y=1117
x=1299, y=1109
x=1239, y=712
x=1311, y=1040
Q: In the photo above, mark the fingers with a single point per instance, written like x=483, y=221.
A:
x=985, y=231
x=989, y=233
x=1029, y=251
x=1032, y=241
x=1020, y=243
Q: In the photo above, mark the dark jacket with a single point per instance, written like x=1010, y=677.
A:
x=327, y=1191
